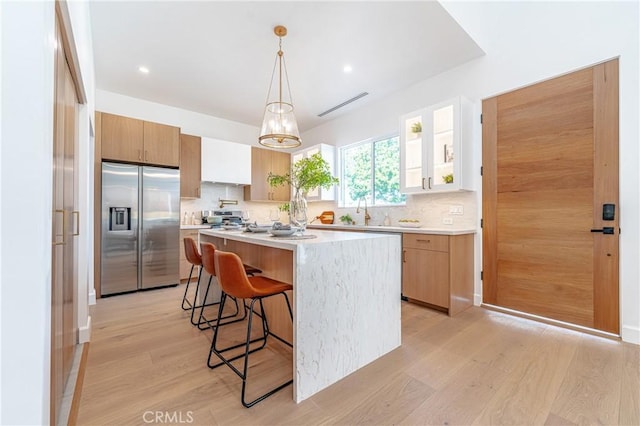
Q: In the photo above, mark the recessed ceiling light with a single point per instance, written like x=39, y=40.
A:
x=143, y=70
x=347, y=69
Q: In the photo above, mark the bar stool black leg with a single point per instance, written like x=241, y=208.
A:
x=202, y=320
x=186, y=290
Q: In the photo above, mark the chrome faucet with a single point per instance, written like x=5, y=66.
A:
x=367, y=217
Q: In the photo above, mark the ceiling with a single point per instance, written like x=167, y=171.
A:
x=216, y=57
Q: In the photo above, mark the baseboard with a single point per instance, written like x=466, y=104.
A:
x=77, y=391
x=84, y=332
x=92, y=296
x=477, y=299
x=630, y=334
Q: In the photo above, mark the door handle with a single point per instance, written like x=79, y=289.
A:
x=609, y=230
x=77, y=215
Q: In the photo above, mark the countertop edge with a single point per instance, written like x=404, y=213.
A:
x=186, y=227
x=396, y=229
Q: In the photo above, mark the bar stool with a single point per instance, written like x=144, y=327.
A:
x=193, y=257
x=208, y=250
x=235, y=283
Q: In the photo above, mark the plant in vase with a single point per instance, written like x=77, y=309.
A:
x=305, y=175
x=416, y=128
x=346, y=219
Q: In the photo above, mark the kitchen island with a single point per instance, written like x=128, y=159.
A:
x=346, y=304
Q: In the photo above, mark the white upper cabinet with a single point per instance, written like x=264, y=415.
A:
x=225, y=162
x=328, y=153
x=435, y=148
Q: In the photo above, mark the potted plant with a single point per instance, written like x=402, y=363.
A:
x=305, y=175
x=346, y=219
x=448, y=178
x=416, y=128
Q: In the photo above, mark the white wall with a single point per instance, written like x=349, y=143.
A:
x=26, y=170
x=526, y=43
x=27, y=35
x=191, y=123
x=1, y=83
x=80, y=23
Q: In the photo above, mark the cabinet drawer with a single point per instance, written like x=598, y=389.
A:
x=426, y=241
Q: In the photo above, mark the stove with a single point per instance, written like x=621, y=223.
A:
x=228, y=216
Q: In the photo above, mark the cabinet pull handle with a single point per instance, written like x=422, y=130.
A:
x=198, y=191
x=423, y=184
x=63, y=242
x=139, y=154
x=404, y=256
x=145, y=156
x=77, y=214
x=423, y=241
x=429, y=182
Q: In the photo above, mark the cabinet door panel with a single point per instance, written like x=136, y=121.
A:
x=280, y=165
x=259, y=189
x=190, y=152
x=425, y=276
x=161, y=144
x=122, y=138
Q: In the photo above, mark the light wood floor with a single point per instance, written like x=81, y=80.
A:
x=481, y=367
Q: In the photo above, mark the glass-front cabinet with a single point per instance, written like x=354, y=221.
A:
x=435, y=148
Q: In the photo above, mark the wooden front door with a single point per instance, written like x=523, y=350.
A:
x=550, y=163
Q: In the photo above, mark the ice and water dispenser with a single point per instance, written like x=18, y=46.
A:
x=119, y=218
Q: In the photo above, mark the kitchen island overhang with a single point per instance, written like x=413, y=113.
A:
x=346, y=294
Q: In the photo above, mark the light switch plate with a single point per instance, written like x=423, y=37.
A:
x=447, y=221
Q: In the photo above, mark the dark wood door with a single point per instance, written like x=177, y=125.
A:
x=550, y=162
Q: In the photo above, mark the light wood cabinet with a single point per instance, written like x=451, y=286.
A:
x=185, y=266
x=264, y=161
x=190, y=157
x=438, y=270
x=122, y=138
x=138, y=141
x=161, y=144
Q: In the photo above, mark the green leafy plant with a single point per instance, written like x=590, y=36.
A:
x=284, y=207
x=306, y=175
x=416, y=127
x=448, y=178
x=345, y=218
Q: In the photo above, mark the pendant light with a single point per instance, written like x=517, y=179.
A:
x=279, y=127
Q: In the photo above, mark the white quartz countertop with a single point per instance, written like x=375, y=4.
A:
x=195, y=226
x=378, y=228
x=286, y=243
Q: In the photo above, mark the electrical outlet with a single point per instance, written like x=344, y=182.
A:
x=457, y=210
x=447, y=221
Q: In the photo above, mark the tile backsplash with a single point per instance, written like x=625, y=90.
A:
x=430, y=209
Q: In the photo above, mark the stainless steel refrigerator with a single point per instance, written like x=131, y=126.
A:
x=140, y=227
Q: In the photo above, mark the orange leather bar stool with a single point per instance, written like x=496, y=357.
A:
x=193, y=257
x=235, y=283
x=208, y=265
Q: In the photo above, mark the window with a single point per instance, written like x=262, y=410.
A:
x=371, y=169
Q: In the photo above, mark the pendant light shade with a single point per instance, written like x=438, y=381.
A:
x=279, y=126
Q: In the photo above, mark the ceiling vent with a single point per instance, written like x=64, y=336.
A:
x=347, y=102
